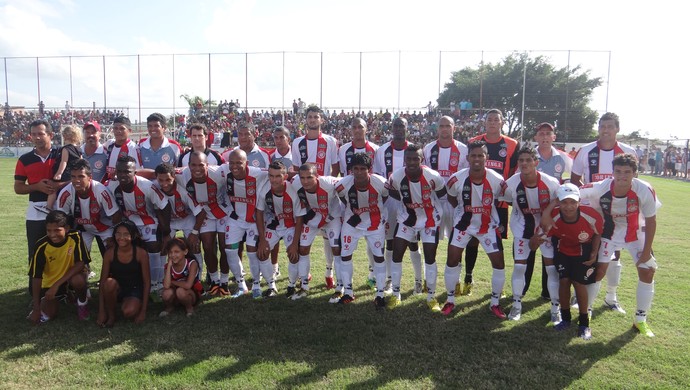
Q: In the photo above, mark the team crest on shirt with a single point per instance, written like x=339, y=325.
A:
x=94, y=209
x=251, y=191
x=165, y=158
x=98, y=164
x=321, y=154
x=503, y=153
x=453, y=161
x=558, y=168
x=288, y=209
x=583, y=236
x=426, y=196
x=592, y=162
x=255, y=163
x=486, y=201
x=323, y=206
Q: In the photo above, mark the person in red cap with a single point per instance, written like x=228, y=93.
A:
x=69, y=153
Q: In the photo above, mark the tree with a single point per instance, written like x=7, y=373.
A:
x=552, y=95
x=197, y=103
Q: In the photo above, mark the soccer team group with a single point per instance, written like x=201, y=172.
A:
x=134, y=198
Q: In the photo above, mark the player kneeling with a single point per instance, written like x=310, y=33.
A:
x=181, y=284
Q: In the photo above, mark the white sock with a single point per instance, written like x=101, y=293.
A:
x=155, y=268
x=431, y=276
x=267, y=271
x=552, y=283
x=518, y=283
x=304, y=265
x=380, y=274
x=236, y=268
x=396, y=277
x=416, y=258
x=255, y=269
x=592, y=292
x=329, y=257
x=215, y=277
x=451, y=278
x=388, y=259
x=346, y=270
x=498, y=279
x=613, y=279
x=645, y=294
x=293, y=273
x=224, y=278
x=370, y=257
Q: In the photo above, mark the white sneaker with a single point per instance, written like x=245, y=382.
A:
x=515, y=314
x=556, y=317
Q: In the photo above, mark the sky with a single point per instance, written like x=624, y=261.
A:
x=632, y=46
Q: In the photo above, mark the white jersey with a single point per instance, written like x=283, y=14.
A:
x=140, y=204
x=476, y=210
x=322, y=151
x=286, y=158
x=446, y=161
x=364, y=208
x=257, y=157
x=114, y=152
x=243, y=193
x=211, y=194
x=346, y=152
x=280, y=211
x=389, y=159
x=528, y=202
x=322, y=205
x=622, y=214
x=93, y=213
x=595, y=164
x=182, y=205
x=419, y=206
x=559, y=165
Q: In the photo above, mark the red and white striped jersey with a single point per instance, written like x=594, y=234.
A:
x=322, y=205
x=243, y=193
x=595, y=164
x=528, y=202
x=446, y=161
x=114, y=152
x=211, y=194
x=476, y=202
x=364, y=208
x=181, y=203
x=93, y=213
x=348, y=150
x=622, y=214
x=388, y=159
x=140, y=204
x=419, y=205
x=280, y=211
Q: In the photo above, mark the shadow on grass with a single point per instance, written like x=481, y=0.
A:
x=252, y=342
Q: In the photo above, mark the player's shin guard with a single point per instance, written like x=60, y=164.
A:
x=329, y=258
x=396, y=277
x=645, y=294
x=380, y=275
x=388, y=260
x=592, y=292
x=613, y=279
x=518, y=282
x=255, y=269
x=370, y=257
x=431, y=271
x=498, y=279
x=293, y=274
x=416, y=259
x=304, y=266
x=236, y=268
x=200, y=262
x=339, y=281
x=451, y=279
x=345, y=276
x=267, y=271
x=552, y=284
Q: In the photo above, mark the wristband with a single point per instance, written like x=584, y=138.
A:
x=195, y=232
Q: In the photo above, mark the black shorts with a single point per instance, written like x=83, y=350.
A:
x=130, y=292
x=60, y=294
x=571, y=267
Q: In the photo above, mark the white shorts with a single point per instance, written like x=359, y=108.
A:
x=490, y=241
x=349, y=238
x=184, y=225
x=331, y=232
x=88, y=237
x=521, y=249
x=235, y=231
x=608, y=247
x=447, y=217
x=148, y=233
x=409, y=234
x=214, y=225
x=273, y=236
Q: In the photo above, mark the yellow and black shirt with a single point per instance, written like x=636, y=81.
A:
x=51, y=261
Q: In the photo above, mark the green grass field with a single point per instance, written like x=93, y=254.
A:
x=310, y=343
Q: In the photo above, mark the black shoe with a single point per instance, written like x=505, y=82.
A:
x=379, y=303
x=290, y=292
x=270, y=293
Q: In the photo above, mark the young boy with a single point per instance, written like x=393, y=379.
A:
x=576, y=238
x=66, y=268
